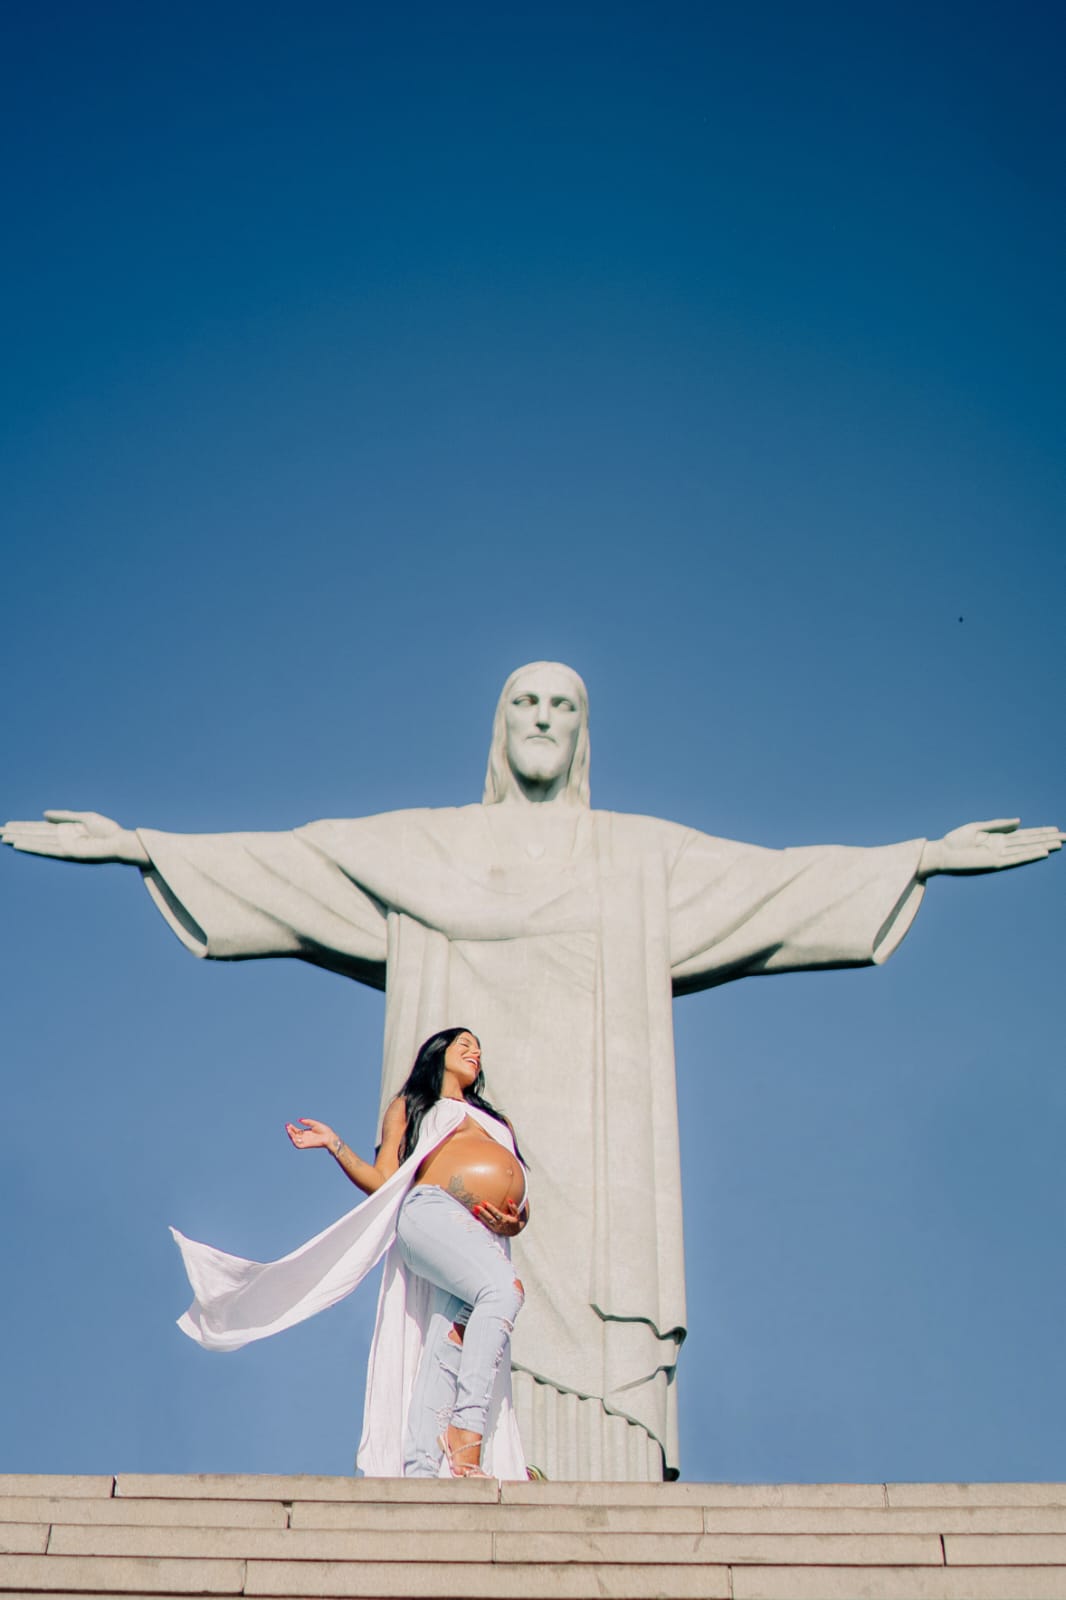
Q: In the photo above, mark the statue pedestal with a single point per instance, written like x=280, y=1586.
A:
x=229, y=1536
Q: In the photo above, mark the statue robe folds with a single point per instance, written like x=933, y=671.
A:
x=559, y=935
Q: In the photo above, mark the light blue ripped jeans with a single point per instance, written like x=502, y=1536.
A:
x=440, y=1240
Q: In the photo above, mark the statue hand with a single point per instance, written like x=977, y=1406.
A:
x=988, y=847
x=312, y=1136
x=76, y=836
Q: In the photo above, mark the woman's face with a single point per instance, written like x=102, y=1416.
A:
x=463, y=1059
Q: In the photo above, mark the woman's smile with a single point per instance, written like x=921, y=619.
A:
x=463, y=1058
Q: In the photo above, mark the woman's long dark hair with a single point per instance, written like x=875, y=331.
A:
x=425, y=1081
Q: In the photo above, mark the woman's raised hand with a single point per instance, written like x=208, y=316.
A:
x=312, y=1135
x=307, y=1134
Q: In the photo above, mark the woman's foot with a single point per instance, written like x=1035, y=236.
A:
x=463, y=1450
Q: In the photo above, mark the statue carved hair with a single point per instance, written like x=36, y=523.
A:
x=500, y=780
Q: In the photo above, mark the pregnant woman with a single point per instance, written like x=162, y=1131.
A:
x=468, y=1194
x=446, y=1191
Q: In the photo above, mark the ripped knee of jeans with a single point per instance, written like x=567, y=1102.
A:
x=456, y=1332
x=449, y=1357
x=519, y=1301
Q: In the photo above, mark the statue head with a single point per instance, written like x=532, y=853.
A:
x=540, y=737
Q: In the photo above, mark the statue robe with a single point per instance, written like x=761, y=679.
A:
x=558, y=934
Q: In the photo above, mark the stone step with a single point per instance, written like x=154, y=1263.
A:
x=384, y=1517
x=394, y=1491
x=404, y=1580
x=312, y=1536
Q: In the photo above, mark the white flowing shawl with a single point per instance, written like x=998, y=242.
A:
x=238, y=1301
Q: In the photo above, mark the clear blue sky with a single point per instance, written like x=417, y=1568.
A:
x=352, y=356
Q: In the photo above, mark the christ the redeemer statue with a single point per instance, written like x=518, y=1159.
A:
x=559, y=934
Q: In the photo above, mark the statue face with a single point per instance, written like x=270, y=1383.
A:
x=543, y=720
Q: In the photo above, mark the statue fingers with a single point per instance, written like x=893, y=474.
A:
x=39, y=847
x=1021, y=858
x=1033, y=839
x=1052, y=837
x=67, y=832
x=93, y=822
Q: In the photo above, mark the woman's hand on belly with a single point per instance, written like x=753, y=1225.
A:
x=507, y=1220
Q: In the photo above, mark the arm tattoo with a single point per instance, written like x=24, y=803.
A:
x=338, y=1146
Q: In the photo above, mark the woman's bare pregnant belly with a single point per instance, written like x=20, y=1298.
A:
x=474, y=1168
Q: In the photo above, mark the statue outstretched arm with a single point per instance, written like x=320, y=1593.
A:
x=988, y=847
x=737, y=910
x=231, y=897
x=76, y=836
